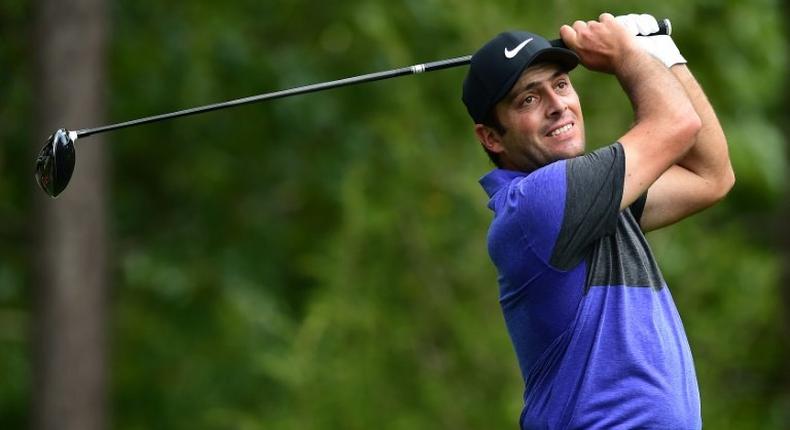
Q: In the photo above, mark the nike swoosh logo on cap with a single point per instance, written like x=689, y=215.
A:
x=512, y=53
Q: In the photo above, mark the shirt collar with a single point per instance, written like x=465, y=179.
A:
x=494, y=180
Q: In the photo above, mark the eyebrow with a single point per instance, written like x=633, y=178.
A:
x=520, y=89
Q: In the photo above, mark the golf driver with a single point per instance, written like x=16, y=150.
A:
x=55, y=161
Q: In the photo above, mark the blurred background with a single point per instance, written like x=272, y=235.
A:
x=319, y=262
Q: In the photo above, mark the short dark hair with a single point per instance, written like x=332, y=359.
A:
x=492, y=120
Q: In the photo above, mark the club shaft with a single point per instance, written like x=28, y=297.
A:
x=665, y=27
x=419, y=68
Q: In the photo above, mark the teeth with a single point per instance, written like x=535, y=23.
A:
x=561, y=130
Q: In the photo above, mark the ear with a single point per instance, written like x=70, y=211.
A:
x=489, y=138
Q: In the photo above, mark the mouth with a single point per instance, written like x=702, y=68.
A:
x=561, y=130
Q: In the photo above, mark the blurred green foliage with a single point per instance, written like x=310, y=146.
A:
x=319, y=262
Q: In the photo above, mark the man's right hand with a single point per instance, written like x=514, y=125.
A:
x=601, y=45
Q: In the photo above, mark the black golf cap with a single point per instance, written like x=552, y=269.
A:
x=496, y=67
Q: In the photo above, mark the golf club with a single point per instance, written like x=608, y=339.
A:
x=55, y=161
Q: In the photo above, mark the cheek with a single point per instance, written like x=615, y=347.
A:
x=529, y=125
x=575, y=105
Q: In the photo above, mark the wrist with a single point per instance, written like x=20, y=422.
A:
x=632, y=59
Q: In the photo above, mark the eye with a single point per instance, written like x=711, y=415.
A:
x=529, y=100
x=562, y=85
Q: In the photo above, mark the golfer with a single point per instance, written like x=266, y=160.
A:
x=598, y=338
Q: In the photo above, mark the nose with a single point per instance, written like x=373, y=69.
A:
x=555, y=105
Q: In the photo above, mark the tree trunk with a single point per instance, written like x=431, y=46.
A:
x=69, y=337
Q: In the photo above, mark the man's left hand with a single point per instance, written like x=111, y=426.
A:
x=659, y=46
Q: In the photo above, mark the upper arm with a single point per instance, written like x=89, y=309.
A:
x=650, y=150
x=677, y=194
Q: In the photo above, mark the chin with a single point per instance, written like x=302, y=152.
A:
x=575, y=148
x=569, y=151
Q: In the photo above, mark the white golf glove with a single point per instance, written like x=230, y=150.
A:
x=659, y=46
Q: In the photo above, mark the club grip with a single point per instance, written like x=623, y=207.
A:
x=664, y=28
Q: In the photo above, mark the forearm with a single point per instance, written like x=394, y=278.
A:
x=664, y=129
x=708, y=157
x=656, y=96
x=698, y=177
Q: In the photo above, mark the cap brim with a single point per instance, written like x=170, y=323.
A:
x=562, y=56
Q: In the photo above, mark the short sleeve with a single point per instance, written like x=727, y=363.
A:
x=638, y=207
x=594, y=184
x=537, y=203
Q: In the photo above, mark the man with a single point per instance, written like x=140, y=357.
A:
x=598, y=338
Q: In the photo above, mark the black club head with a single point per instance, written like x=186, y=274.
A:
x=55, y=162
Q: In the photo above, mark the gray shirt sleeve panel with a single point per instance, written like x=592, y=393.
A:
x=638, y=207
x=594, y=191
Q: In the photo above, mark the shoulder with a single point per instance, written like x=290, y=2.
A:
x=535, y=201
x=608, y=159
x=547, y=180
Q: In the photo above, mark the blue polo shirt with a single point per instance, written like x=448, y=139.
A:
x=598, y=338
